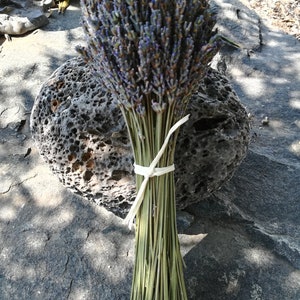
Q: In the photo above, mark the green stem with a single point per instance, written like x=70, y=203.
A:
x=158, y=270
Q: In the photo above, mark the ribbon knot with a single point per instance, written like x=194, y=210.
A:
x=151, y=172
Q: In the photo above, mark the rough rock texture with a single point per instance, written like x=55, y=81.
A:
x=80, y=132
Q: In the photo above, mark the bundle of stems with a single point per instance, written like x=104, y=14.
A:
x=151, y=55
x=158, y=272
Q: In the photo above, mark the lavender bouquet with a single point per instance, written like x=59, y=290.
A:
x=151, y=55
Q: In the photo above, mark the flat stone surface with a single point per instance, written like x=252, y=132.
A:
x=243, y=243
x=267, y=80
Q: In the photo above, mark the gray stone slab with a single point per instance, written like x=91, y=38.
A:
x=267, y=193
x=266, y=189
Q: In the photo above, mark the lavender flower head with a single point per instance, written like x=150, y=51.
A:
x=150, y=54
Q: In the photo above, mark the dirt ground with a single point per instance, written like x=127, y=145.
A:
x=283, y=14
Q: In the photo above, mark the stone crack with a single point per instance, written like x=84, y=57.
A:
x=70, y=289
x=17, y=184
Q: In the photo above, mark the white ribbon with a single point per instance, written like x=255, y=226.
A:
x=151, y=171
x=146, y=172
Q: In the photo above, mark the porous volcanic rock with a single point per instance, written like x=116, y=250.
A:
x=80, y=132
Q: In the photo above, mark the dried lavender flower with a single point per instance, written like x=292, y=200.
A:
x=156, y=48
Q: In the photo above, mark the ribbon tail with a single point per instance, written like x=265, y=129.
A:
x=136, y=204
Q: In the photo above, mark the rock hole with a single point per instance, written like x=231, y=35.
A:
x=90, y=164
x=86, y=156
x=73, y=148
x=71, y=156
x=208, y=123
x=85, y=117
x=87, y=175
x=199, y=187
x=75, y=166
x=118, y=174
x=205, y=153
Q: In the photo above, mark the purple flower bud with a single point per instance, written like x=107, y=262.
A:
x=140, y=109
x=158, y=108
